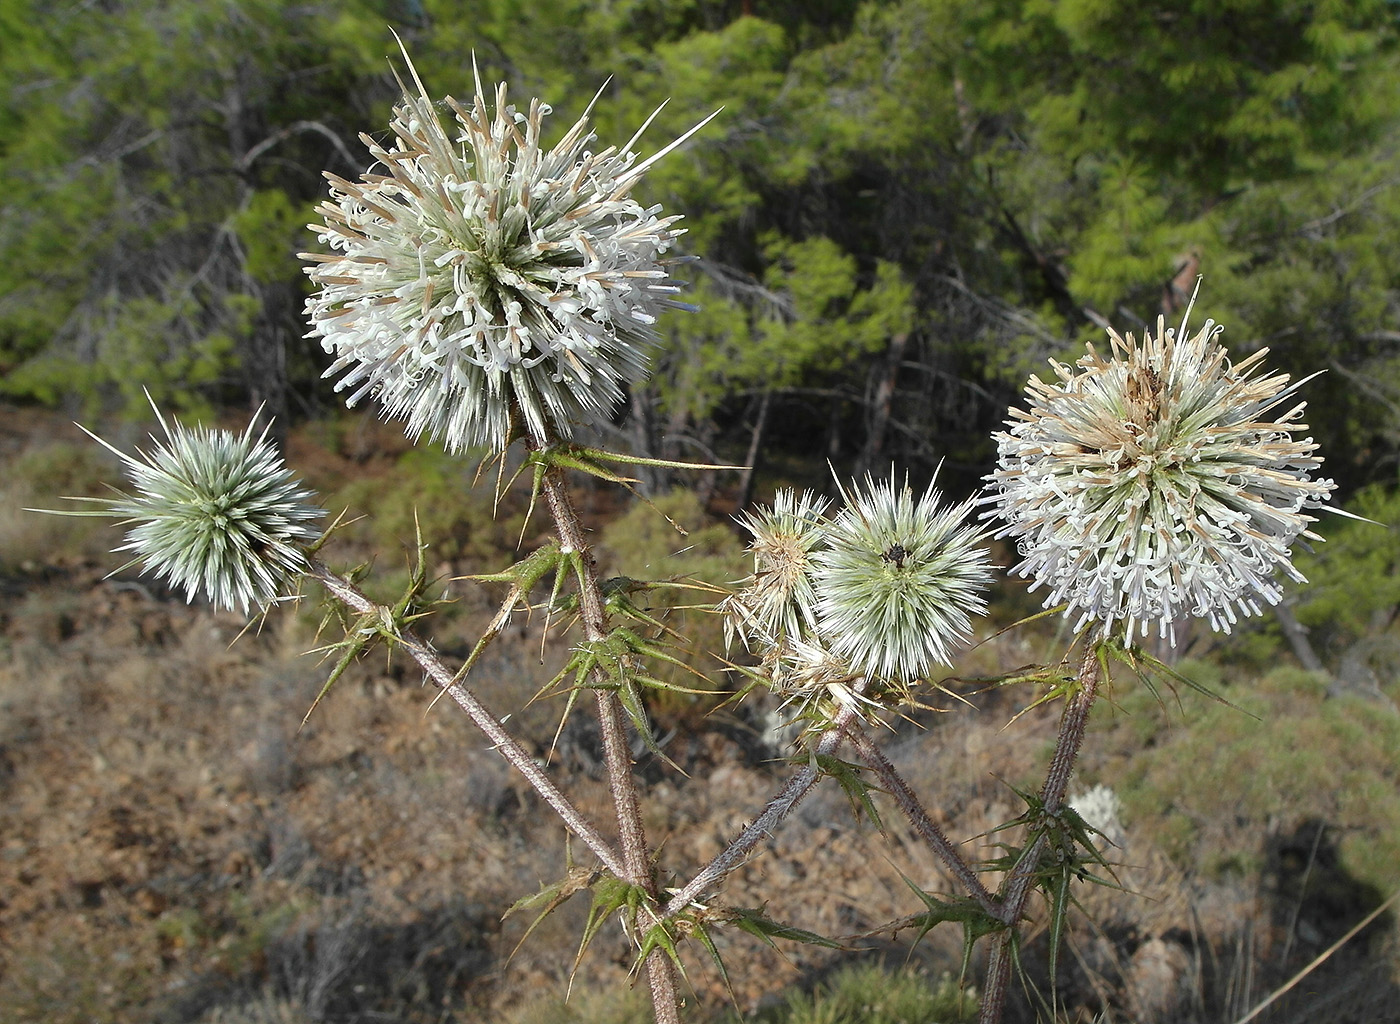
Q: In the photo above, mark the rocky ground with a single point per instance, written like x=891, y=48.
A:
x=176, y=846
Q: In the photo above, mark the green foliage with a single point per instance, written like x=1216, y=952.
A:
x=1354, y=579
x=272, y=228
x=1209, y=790
x=873, y=995
x=39, y=478
x=860, y=994
x=136, y=176
x=990, y=179
x=617, y=1006
x=643, y=545
x=427, y=489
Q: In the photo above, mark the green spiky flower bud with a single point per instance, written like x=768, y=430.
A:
x=215, y=512
x=778, y=603
x=898, y=580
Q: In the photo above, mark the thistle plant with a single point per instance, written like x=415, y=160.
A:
x=488, y=291
x=1156, y=483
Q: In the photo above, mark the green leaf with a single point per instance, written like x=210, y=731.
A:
x=975, y=921
x=753, y=921
x=659, y=936
x=358, y=639
x=610, y=896
x=1146, y=666
x=551, y=897
x=848, y=777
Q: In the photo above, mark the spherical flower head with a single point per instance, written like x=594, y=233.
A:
x=779, y=601
x=1158, y=482
x=483, y=284
x=216, y=512
x=898, y=580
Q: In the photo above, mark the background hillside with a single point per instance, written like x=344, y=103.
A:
x=904, y=209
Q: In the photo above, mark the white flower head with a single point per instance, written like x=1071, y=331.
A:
x=898, y=580
x=481, y=283
x=1158, y=482
x=216, y=512
x=779, y=602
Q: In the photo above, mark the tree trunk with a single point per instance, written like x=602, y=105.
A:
x=1298, y=638
x=760, y=427
x=883, y=404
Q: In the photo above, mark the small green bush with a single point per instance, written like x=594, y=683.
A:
x=1354, y=577
x=429, y=487
x=870, y=994
x=627, y=1006
x=1209, y=791
x=641, y=544
x=38, y=478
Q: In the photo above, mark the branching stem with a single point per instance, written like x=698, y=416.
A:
x=636, y=856
x=762, y=827
x=913, y=810
x=1016, y=888
x=483, y=717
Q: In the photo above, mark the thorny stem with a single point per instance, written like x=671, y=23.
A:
x=998, y=980
x=919, y=818
x=1017, y=886
x=636, y=857
x=762, y=827
x=483, y=717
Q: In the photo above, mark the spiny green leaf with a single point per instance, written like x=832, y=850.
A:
x=585, y=460
x=340, y=522
x=551, y=898
x=522, y=577
x=753, y=921
x=617, y=600
x=1145, y=666
x=611, y=895
x=638, y=460
x=857, y=791
x=659, y=936
x=631, y=701
x=975, y=921
x=528, y=571
x=568, y=457
x=355, y=644
x=702, y=935
x=1057, y=892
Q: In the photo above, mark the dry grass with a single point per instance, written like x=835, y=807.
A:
x=174, y=847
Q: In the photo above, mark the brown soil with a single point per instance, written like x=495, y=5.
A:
x=175, y=845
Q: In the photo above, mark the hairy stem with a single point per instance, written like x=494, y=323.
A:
x=762, y=827
x=636, y=856
x=1016, y=888
x=919, y=818
x=486, y=720
x=998, y=980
